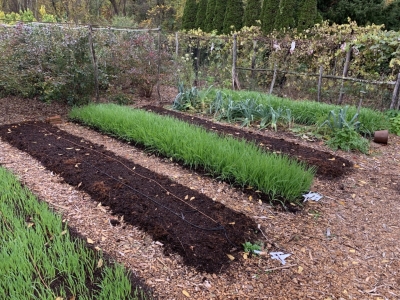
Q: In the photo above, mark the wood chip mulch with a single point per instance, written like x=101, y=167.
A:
x=346, y=246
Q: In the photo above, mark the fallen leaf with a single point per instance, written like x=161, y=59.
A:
x=90, y=241
x=231, y=257
x=231, y=223
x=100, y=263
x=300, y=269
x=59, y=298
x=331, y=158
x=192, y=198
x=250, y=198
x=245, y=255
x=352, y=251
x=186, y=197
x=29, y=224
x=186, y=293
x=64, y=232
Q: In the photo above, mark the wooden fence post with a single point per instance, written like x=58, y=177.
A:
x=253, y=59
x=345, y=71
x=94, y=62
x=396, y=94
x=321, y=70
x=273, y=79
x=235, y=80
x=176, y=44
x=159, y=65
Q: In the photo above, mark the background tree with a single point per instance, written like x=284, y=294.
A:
x=269, y=11
x=219, y=15
x=189, y=15
x=308, y=14
x=233, y=16
x=252, y=13
x=201, y=15
x=286, y=16
x=210, y=15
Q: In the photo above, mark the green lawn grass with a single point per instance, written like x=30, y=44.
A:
x=40, y=260
x=229, y=159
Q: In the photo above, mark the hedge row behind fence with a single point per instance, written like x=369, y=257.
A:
x=59, y=62
x=72, y=64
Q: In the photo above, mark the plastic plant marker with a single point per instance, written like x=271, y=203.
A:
x=312, y=196
x=279, y=256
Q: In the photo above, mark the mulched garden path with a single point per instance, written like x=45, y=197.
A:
x=328, y=165
x=185, y=221
x=346, y=246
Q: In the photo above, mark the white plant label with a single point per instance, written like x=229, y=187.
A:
x=312, y=196
x=279, y=256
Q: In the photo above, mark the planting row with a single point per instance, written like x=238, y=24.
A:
x=339, y=126
x=39, y=259
x=327, y=165
x=254, y=106
x=236, y=161
x=186, y=222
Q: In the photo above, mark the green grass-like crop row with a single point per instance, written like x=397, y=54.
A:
x=229, y=159
x=303, y=112
x=39, y=260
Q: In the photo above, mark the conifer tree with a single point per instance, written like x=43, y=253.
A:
x=252, y=13
x=189, y=15
x=286, y=16
x=308, y=14
x=269, y=11
x=233, y=16
x=210, y=15
x=201, y=15
x=219, y=15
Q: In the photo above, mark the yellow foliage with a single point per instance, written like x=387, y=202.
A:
x=42, y=10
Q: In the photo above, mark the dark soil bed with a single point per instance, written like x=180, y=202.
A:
x=187, y=222
x=328, y=166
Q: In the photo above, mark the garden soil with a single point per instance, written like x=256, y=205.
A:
x=343, y=247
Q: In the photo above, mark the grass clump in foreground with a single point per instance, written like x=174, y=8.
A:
x=39, y=260
x=229, y=159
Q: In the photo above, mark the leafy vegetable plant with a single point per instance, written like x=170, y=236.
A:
x=348, y=139
x=249, y=247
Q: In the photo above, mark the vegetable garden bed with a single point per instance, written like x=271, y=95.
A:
x=328, y=166
x=187, y=222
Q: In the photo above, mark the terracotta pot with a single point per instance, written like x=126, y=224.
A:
x=381, y=136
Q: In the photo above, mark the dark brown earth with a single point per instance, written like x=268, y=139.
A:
x=328, y=166
x=185, y=221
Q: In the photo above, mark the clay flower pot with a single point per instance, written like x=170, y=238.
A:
x=381, y=136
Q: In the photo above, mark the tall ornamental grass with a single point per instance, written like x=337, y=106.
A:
x=235, y=161
x=302, y=112
x=39, y=260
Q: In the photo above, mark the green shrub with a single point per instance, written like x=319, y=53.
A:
x=395, y=125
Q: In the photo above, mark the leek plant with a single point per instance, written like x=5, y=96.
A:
x=233, y=160
x=39, y=259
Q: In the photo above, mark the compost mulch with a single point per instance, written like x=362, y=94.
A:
x=185, y=221
x=346, y=246
x=328, y=165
